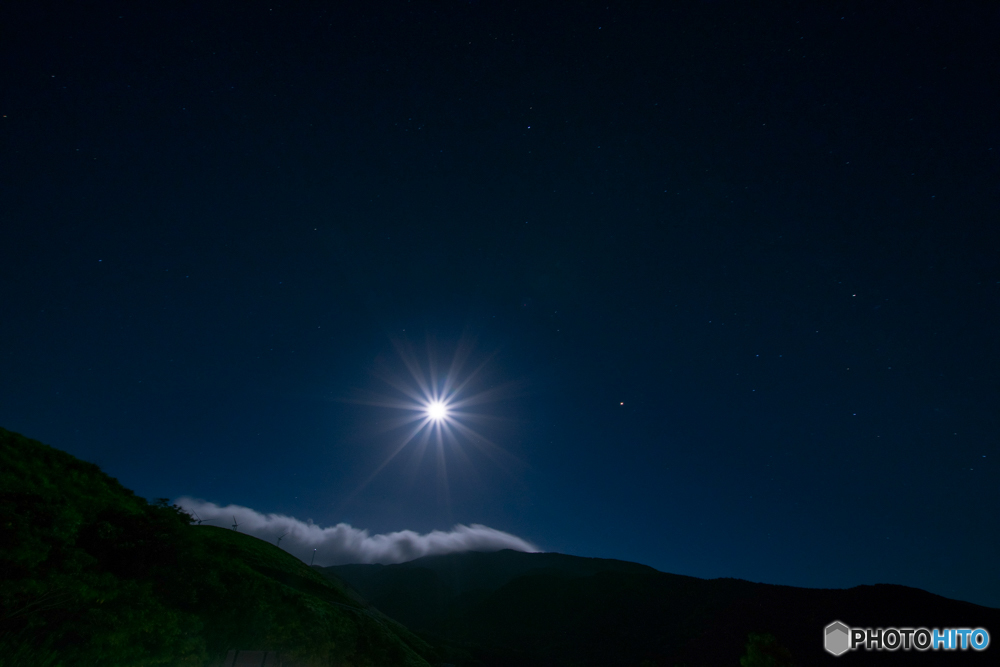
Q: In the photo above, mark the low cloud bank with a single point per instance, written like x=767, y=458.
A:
x=341, y=544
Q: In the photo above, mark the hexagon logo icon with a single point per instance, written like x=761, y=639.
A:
x=837, y=638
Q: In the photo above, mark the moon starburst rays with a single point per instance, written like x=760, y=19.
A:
x=437, y=418
x=437, y=413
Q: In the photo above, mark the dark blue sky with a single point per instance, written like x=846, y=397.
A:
x=735, y=271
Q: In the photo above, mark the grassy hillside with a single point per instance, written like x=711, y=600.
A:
x=94, y=575
x=551, y=609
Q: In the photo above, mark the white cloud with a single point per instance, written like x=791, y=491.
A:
x=340, y=544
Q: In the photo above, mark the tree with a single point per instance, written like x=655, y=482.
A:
x=763, y=650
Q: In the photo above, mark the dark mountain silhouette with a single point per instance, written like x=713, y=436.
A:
x=90, y=573
x=552, y=609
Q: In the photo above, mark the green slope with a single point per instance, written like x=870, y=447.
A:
x=94, y=575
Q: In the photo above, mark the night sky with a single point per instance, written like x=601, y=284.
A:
x=725, y=278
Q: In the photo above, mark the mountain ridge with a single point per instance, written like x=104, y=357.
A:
x=540, y=609
x=93, y=573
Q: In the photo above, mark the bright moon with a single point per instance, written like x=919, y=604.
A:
x=437, y=411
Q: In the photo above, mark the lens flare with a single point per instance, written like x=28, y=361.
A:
x=439, y=411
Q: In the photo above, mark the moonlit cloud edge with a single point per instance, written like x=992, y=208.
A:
x=342, y=544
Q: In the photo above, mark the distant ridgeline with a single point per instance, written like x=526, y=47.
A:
x=535, y=609
x=94, y=575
